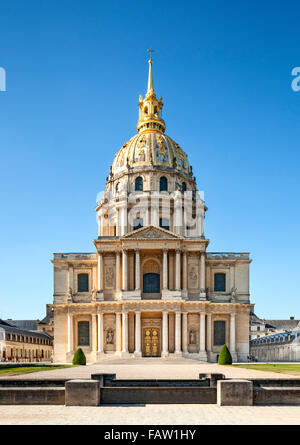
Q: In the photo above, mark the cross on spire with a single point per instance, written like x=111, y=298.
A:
x=150, y=50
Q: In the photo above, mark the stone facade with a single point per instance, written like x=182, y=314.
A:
x=151, y=288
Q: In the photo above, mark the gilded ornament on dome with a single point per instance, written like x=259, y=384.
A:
x=161, y=152
x=141, y=155
x=180, y=155
x=142, y=142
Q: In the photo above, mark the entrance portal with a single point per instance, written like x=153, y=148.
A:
x=151, y=342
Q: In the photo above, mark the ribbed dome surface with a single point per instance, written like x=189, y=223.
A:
x=151, y=148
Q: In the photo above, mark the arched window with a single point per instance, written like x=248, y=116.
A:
x=83, y=282
x=219, y=282
x=118, y=187
x=163, y=184
x=164, y=223
x=137, y=223
x=219, y=333
x=83, y=333
x=183, y=187
x=151, y=283
x=139, y=184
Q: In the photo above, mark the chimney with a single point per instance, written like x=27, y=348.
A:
x=292, y=318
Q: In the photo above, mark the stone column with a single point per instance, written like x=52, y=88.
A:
x=118, y=268
x=202, y=276
x=123, y=220
x=125, y=333
x=118, y=222
x=209, y=345
x=178, y=271
x=100, y=332
x=100, y=272
x=118, y=333
x=124, y=270
x=178, y=333
x=202, y=351
x=137, y=270
x=232, y=333
x=94, y=332
x=184, y=271
x=165, y=339
x=137, y=352
x=184, y=333
x=165, y=269
x=70, y=333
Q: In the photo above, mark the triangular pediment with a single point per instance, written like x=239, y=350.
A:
x=152, y=232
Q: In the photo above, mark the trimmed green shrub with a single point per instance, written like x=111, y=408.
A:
x=79, y=357
x=225, y=356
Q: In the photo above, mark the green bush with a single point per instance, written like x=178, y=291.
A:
x=79, y=357
x=225, y=356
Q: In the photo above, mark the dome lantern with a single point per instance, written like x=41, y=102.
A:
x=150, y=108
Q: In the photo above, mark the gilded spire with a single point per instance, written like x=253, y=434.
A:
x=150, y=108
x=150, y=78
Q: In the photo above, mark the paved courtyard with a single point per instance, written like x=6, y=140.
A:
x=150, y=414
x=152, y=368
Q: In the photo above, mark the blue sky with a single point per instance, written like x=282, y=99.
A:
x=74, y=72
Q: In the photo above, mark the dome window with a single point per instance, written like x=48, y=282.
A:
x=164, y=223
x=163, y=184
x=183, y=187
x=137, y=223
x=139, y=184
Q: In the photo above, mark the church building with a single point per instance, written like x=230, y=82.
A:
x=151, y=288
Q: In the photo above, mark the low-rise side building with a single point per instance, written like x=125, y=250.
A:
x=24, y=345
x=278, y=347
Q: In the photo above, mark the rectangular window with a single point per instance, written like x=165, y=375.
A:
x=219, y=333
x=83, y=333
x=219, y=282
x=83, y=282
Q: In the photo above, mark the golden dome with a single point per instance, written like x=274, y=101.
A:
x=151, y=148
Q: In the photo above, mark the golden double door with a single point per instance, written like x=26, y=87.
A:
x=151, y=342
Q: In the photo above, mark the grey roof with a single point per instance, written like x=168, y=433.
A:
x=287, y=325
x=4, y=323
x=30, y=325
x=5, y=327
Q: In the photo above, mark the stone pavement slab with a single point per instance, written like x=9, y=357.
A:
x=150, y=415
